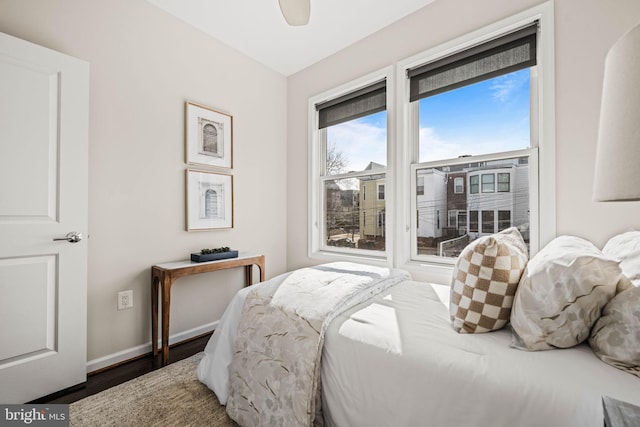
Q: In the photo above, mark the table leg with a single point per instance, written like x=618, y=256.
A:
x=166, y=310
x=248, y=275
x=155, y=284
x=261, y=267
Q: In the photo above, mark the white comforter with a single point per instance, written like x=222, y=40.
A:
x=395, y=360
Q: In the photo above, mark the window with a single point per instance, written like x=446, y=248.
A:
x=470, y=107
x=488, y=226
x=351, y=141
x=504, y=220
x=453, y=219
x=458, y=185
x=481, y=104
x=504, y=182
x=473, y=221
x=381, y=219
x=488, y=183
x=474, y=184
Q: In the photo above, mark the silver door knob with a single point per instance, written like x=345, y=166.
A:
x=73, y=237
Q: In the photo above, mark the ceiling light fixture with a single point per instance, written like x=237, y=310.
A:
x=296, y=12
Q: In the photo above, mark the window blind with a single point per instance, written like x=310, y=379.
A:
x=508, y=53
x=360, y=103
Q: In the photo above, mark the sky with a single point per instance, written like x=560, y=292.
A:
x=486, y=117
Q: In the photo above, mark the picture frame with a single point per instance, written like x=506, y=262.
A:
x=209, y=200
x=208, y=136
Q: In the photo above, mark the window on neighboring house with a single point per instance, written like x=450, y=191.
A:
x=504, y=182
x=458, y=185
x=475, y=111
x=351, y=139
x=488, y=183
x=473, y=221
x=474, y=184
x=453, y=219
x=420, y=186
x=381, y=219
x=488, y=224
x=504, y=220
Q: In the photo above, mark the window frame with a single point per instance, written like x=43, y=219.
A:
x=316, y=234
x=402, y=151
x=457, y=180
x=490, y=185
x=507, y=182
x=474, y=184
x=541, y=152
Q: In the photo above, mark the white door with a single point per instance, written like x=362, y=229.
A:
x=44, y=110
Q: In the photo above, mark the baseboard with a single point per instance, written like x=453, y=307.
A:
x=131, y=353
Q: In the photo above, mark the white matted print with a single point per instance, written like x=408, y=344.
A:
x=209, y=135
x=209, y=200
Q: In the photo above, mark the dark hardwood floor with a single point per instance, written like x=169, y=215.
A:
x=97, y=382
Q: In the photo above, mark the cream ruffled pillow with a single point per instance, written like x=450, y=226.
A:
x=615, y=338
x=625, y=248
x=561, y=294
x=484, y=281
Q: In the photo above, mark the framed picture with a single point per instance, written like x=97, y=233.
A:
x=208, y=136
x=209, y=200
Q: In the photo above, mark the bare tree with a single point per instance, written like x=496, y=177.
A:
x=336, y=162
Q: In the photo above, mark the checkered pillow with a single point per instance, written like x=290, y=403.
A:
x=484, y=281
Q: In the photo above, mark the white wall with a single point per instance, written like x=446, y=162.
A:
x=144, y=65
x=585, y=30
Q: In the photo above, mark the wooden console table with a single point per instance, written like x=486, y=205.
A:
x=164, y=275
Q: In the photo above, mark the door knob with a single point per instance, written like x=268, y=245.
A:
x=73, y=237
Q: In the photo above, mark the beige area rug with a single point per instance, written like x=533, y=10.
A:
x=171, y=396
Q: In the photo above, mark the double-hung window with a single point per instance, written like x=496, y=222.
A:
x=471, y=149
x=475, y=111
x=348, y=206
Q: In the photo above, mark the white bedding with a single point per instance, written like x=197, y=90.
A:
x=396, y=360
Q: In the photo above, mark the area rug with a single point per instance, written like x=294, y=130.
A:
x=171, y=396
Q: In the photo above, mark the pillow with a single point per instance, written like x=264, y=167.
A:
x=615, y=338
x=625, y=248
x=561, y=294
x=484, y=281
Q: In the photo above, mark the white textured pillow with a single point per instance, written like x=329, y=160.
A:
x=484, y=282
x=615, y=338
x=625, y=248
x=561, y=294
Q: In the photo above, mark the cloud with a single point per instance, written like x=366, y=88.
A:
x=503, y=87
x=434, y=147
x=360, y=142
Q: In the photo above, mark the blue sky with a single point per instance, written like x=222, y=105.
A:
x=486, y=117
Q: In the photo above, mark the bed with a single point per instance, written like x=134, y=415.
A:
x=394, y=359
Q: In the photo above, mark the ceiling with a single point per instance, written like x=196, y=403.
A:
x=257, y=28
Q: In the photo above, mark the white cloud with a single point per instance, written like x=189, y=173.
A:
x=433, y=147
x=504, y=86
x=360, y=143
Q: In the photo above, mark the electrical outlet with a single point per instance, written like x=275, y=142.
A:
x=125, y=300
